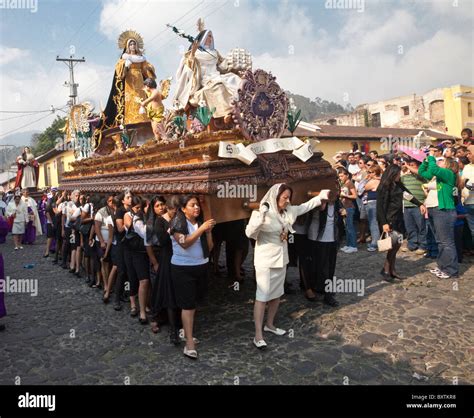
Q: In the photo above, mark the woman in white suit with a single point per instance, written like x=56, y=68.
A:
x=270, y=227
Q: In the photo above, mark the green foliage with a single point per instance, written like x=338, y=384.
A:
x=294, y=120
x=46, y=140
x=180, y=122
x=204, y=115
x=125, y=139
x=317, y=108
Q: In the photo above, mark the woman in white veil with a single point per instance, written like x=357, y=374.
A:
x=270, y=227
x=203, y=78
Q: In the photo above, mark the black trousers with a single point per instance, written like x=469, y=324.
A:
x=458, y=240
x=121, y=272
x=67, y=247
x=302, y=250
x=325, y=255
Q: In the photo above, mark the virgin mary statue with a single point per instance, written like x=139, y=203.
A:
x=28, y=168
x=132, y=68
x=202, y=77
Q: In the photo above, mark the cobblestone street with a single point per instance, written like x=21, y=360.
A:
x=419, y=331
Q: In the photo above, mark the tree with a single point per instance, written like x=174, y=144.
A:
x=46, y=140
x=317, y=108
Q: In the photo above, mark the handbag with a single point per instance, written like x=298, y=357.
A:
x=384, y=244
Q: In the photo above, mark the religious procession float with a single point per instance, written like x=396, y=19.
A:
x=230, y=134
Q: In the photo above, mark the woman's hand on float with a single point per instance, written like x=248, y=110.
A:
x=208, y=225
x=324, y=194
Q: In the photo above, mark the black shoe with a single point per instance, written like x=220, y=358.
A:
x=55, y=261
x=46, y=256
x=78, y=274
x=330, y=300
x=64, y=267
x=174, y=338
x=311, y=299
x=396, y=276
x=289, y=290
x=2, y=327
x=72, y=271
x=105, y=299
x=387, y=277
x=117, y=306
x=143, y=321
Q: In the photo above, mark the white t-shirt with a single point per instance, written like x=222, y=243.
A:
x=431, y=200
x=72, y=212
x=468, y=173
x=313, y=229
x=328, y=234
x=191, y=256
x=105, y=220
x=353, y=168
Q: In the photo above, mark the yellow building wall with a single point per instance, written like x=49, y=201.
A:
x=456, y=109
x=331, y=146
x=53, y=163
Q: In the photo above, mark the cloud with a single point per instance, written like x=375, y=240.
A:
x=8, y=55
x=36, y=90
x=313, y=51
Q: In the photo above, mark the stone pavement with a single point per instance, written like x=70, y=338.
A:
x=419, y=331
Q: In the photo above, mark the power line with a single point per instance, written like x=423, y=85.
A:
x=176, y=21
x=190, y=27
x=24, y=126
x=25, y=111
x=20, y=116
x=69, y=40
x=163, y=31
x=121, y=24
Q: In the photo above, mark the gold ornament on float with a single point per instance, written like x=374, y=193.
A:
x=130, y=34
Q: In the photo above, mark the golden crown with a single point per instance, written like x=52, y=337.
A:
x=130, y=34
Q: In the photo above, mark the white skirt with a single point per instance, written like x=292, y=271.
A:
x=18, y=228
x=270, y=283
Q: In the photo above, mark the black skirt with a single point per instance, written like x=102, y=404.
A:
x=163, y=296
x=190, y=284
x=50, y=231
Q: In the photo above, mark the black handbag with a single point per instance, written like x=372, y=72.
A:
x=133, y=241
x=77, y=224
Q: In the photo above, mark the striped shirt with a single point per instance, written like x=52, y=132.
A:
x=413, y=184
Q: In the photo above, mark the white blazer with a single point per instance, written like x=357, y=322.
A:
x=270, y=250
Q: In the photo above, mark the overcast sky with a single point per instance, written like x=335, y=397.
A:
x=373, y=51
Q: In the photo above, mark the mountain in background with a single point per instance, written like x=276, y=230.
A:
x=314, y=109
x=8, y=157
x=19, y=139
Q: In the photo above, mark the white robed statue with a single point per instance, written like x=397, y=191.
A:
x=33, y=225
x=202, y=77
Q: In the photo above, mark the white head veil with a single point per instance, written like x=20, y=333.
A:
x=203, y=41
x=271, y=199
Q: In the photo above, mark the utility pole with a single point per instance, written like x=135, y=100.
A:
x=71, y=62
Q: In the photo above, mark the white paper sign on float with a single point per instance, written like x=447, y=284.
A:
x=302, y=150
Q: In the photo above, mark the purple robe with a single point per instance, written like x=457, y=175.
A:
x=29, y=236
x=42, y=214
x=4, y=229
x=3, y=310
